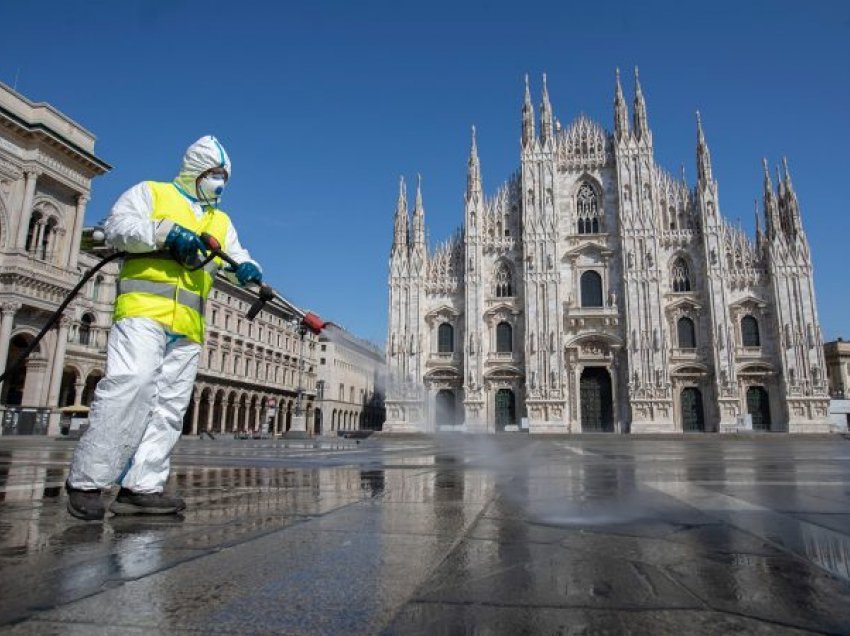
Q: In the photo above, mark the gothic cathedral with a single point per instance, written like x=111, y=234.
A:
x=596, y=292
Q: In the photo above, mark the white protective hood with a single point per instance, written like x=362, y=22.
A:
x=202, y=155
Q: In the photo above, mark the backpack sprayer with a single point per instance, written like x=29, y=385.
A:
x=307, y=321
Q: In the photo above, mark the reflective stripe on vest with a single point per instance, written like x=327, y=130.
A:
x=166, y=290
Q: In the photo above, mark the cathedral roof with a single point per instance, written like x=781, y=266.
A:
x=584, y=143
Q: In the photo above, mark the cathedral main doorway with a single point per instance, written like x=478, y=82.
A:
x=693, y=418
x=505, y=409
x=445, y=408
x=759, y=407
x=597, y=404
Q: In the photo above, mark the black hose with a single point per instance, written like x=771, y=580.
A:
x=57, y=314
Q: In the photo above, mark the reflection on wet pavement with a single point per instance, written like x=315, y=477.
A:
x=443, y=535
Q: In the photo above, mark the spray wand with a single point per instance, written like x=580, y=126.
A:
x=265, y=293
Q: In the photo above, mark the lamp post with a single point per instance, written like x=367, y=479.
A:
x=299, y=420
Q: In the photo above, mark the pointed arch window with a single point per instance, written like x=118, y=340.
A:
x=504, y=287
x=750, y=332
x=587, y=209
x=681, y=276
x=504, y=338
x=687, y=333
x=591, y=289
x=445, y=338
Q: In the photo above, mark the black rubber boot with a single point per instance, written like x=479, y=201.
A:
x=136, y=503
x=85, y=504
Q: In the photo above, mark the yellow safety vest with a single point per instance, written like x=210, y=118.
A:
x=153, y=285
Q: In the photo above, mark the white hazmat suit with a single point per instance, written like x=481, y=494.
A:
x=137, y=412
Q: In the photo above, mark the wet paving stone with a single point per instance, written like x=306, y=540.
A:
x=445, y=535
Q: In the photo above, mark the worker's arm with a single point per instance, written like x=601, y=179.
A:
x=130, y=227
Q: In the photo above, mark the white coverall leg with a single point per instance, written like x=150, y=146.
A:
x=138, y=407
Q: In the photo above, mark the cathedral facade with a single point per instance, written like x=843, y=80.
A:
x=596, y=292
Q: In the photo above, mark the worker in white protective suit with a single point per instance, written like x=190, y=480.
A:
x=155, y=342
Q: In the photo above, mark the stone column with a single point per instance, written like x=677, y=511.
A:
x=39, y=232
x=6, y=324
x=58, y=361
x=35, y=380
x=208, y=420
x=258, y=410
x=54, y=249
x=234, y=425
x=196, y=403
x=298, y=427
x=30, y=176
x=79, y=387
x=76, y=235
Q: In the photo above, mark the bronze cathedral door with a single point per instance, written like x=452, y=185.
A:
x=597, y=408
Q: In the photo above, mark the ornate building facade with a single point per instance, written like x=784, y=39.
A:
x=595, y=291
x=47, y=164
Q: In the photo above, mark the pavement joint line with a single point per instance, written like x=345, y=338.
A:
x=771, y=621
x=823, y=547
x=565, y=606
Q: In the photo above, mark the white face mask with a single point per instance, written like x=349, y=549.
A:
x=211, y=187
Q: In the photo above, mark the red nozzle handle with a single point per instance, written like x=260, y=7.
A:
x=312, y=322
x=211, y=242
x=215, y=247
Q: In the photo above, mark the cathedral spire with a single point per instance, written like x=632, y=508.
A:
x=788, y=184
x=792, y=204
x=621, y=111
x=418, y=217
x=473, y=174
x=640, y=121
x=768, y=185
x=401, y=219
x=703, y=155
x=771, y=216
x=527, y=117
x=545, y=115
x=758, y=222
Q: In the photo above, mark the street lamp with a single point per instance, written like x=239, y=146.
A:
x=299, y=420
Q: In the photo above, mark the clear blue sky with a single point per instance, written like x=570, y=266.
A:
x=323, y=105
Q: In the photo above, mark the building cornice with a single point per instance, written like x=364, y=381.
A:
x=43, y=133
